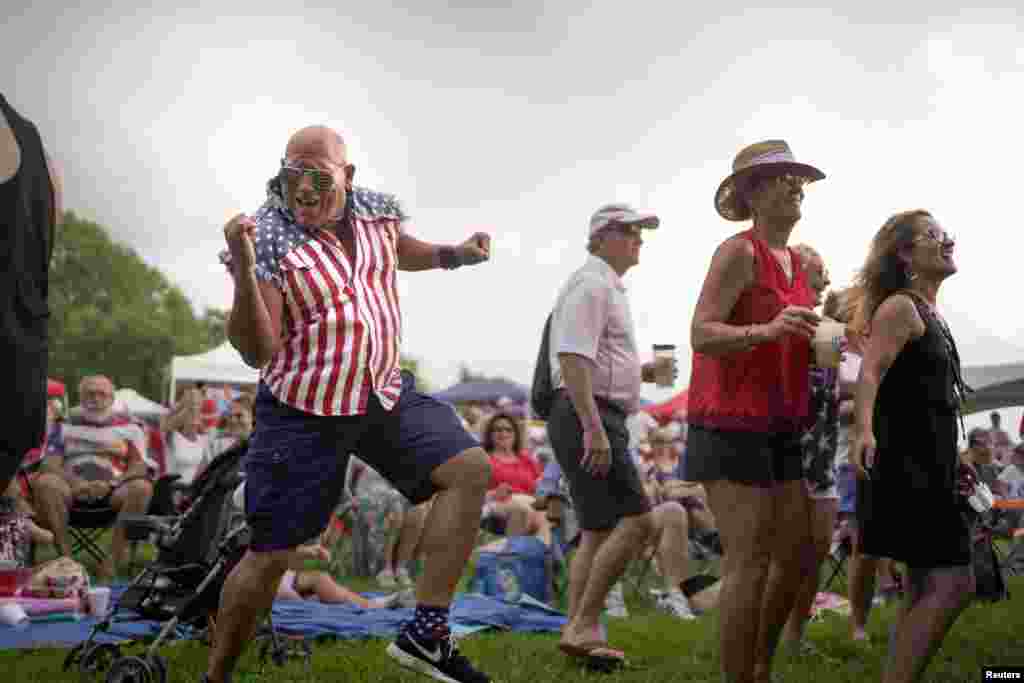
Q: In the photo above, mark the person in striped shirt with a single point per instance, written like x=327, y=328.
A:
x=95, y=458
x=316, y=309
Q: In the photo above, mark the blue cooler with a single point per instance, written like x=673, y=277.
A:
x=520, y=568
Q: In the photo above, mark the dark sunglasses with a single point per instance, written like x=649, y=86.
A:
x=791, y=179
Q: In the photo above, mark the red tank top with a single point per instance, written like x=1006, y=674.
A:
x=767, y=388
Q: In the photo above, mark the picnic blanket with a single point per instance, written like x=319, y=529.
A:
x=470, y=613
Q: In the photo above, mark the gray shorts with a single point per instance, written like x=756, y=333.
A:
x=600, y=502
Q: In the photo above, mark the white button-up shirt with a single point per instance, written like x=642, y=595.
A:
x=592, y=319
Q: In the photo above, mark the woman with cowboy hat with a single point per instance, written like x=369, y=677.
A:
x=748, y=403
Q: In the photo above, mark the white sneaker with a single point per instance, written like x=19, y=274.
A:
x=676, y=604
x=386, y=578
x=386, y=601
x=403, y=578
x=615, y=603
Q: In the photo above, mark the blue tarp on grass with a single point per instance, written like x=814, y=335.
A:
x=470, y=613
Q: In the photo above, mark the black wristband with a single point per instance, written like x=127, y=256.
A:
x=448, y=258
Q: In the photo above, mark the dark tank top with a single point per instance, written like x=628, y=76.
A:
x=27, y=217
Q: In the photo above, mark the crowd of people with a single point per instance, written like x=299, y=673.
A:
x=783, y=436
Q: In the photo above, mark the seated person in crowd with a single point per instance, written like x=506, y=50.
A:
x=979, y=456
x=662, y=473
x=307, y=584
x=677, y=506
x=183, y=439
x=1013, y=474
x=395, y=526
x=18, y=531
x=508, y=508
x=235, y=426
x=95, y=458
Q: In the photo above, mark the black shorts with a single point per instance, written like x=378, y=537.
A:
x=751, y=458
x=600, y=502
x=296, y=463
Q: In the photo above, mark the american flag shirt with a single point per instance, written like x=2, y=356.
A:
x=341, y=324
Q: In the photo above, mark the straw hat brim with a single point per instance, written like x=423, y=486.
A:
x=731, y=206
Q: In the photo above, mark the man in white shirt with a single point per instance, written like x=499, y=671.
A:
x=597, y=371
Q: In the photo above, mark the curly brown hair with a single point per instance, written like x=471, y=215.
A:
x=885, y=271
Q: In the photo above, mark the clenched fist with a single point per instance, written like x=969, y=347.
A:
x=238, y=233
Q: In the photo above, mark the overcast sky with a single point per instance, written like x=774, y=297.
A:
x=521, y=121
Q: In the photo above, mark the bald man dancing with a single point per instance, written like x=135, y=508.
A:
x=316, y=309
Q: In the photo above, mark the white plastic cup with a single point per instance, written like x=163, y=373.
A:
x=13, y=614
x=98, y=600
x=827, y=343
x=664, y=364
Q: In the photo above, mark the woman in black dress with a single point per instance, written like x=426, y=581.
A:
x=908, y=412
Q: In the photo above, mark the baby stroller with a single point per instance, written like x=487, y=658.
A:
x=181, y=588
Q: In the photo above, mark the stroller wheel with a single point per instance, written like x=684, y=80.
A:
x=98, y=659
x=74, y=656
x=158, y=665
x=130, y=670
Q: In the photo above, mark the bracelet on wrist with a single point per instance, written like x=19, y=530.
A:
x=448, y=258
x=748, y=337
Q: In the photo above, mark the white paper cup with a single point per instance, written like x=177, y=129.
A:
x=827, y=343
x=12, y=614
x=98, y=600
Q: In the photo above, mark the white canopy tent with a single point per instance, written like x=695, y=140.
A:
x=132, y=402
x=995, y=386
x=222, y=365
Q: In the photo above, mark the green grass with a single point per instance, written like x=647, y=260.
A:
x=659, y=648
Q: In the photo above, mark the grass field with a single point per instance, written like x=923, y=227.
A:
x=660, y=649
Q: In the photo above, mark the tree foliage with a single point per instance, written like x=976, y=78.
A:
x=114, y=314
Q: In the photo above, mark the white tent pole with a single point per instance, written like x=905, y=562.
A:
x=170, y=391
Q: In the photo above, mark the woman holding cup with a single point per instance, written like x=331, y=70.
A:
x=748, y=403
x=907, y=407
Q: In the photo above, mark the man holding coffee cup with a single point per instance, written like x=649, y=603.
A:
x=597, y=373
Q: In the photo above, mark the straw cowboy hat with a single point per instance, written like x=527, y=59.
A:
x=771, y=157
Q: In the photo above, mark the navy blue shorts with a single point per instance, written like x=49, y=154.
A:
x=296, y=462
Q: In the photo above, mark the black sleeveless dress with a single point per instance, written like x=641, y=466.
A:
x=26, y=243
x=909, y=508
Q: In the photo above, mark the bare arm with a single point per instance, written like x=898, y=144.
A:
x=576, y=373
x=893, y=325
x=415, y=255
x=731, y=271
x=254, y=323
x=57, y=180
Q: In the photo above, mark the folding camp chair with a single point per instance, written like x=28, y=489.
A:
x=835, y=564
x=88, y=523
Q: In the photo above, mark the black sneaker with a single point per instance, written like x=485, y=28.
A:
x=439, y=659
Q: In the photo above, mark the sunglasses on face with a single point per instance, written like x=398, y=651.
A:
x=766, y=180
x=292, y=174
x=935, y=235
x=628, y=230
